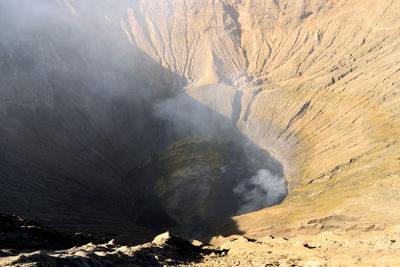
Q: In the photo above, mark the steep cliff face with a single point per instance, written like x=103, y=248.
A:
x=316, y=83
x=319, y=87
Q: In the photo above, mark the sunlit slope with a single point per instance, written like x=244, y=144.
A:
x=321, y=89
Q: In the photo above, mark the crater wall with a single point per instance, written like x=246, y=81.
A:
x=316, y=83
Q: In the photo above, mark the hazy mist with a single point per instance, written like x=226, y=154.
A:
x=81, y=106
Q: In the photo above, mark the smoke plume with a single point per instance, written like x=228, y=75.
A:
x=261, y=190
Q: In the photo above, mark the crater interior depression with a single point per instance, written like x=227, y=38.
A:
x=127, y=118
x=98, y=137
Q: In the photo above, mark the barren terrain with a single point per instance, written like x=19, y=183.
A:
x=315, y=84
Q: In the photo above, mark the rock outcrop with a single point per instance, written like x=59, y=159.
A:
x=22, y=234
x=26, y=243
x=167, y=249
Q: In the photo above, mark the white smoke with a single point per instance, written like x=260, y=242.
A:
x=261, y=190
x=190, y=117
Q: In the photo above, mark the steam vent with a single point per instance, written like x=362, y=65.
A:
x=200, y=133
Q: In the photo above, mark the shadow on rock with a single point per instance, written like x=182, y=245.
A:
x=166, y=249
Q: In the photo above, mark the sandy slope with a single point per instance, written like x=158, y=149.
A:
x=320, y=84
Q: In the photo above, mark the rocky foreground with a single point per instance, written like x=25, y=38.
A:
x=25, y=243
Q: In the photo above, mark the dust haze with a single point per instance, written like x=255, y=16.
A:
x=81, y=107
